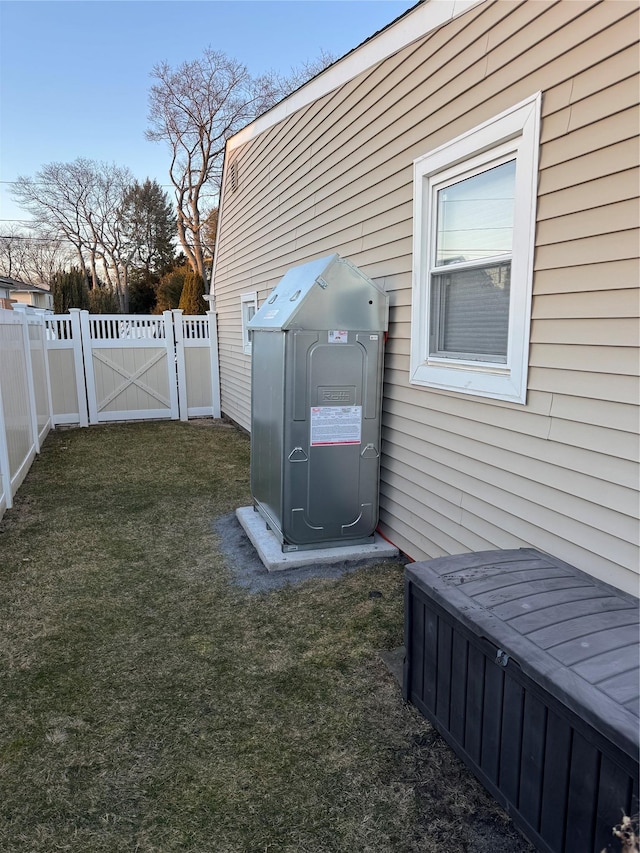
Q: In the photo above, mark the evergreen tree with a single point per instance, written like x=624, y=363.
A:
x=69, y=290
x=103, y=300
x=142, y=292
x=149, y=227
x=169, y=289
x=191, y=300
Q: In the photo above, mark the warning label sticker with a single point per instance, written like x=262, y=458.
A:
x=336, y=425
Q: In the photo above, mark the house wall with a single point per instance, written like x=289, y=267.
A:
x=461, y=473
x=34, y=298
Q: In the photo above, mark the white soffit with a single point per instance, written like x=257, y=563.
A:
x=410, y=27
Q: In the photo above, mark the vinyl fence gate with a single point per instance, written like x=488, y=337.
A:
x=115, y=367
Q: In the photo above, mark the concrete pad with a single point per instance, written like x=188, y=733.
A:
x=270, y=551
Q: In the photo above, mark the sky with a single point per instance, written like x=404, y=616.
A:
x=75, y=75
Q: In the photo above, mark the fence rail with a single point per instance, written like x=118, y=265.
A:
x=86, y=369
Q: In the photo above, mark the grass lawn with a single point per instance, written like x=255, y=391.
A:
x=148, y=703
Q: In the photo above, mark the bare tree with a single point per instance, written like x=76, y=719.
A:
x=103, y=215
x=79, y=203
x=32, y=256
x=284, y=84
x=13, y=248
x=45, y=256
x=56, y=199
x=210, y=232
x=195, y=108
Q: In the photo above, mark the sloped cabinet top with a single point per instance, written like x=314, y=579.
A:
x=327, y=293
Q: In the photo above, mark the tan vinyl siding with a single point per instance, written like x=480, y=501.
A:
x=459, y=473
x=615, y=275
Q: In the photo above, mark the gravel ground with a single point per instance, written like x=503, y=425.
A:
x=248, y=570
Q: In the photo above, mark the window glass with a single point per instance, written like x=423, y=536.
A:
x=249, y=306
x=249, y=311
x=475, y=216
x=470, y=313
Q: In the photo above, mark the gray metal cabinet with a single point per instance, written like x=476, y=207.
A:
x=317, y=360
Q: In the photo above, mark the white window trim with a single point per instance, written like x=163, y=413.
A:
x=247, y=299
x=514, y=132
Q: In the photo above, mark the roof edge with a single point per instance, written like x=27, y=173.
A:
x=412, y=25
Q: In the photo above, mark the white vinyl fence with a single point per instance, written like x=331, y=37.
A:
x=25, y=398
x=86, y=369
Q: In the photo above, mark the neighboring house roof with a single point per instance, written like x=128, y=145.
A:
x=8, y=283
x=22, y=286
x=7, y=287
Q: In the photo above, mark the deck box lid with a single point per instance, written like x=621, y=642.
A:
x=569, y=632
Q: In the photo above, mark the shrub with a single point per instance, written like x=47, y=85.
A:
x=191, y=300
x=169, y=289
x=69, y=289
x=103, y=300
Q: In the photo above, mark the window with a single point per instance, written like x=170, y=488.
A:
x=474, y=229
x=249, y=306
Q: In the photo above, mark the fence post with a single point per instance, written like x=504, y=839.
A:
x=5, y=468
x=83, y=362
x=31, y=391
x=213, y=354
x=78, y=366
x=45, y=359
x=38, y=321
x=183, y=400
x=170, y=341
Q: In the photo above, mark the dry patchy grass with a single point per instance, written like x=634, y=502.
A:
x=149, y=704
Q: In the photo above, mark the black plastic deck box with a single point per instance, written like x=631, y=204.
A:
x=529, y=668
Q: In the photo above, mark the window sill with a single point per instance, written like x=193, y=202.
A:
x=494, y=382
